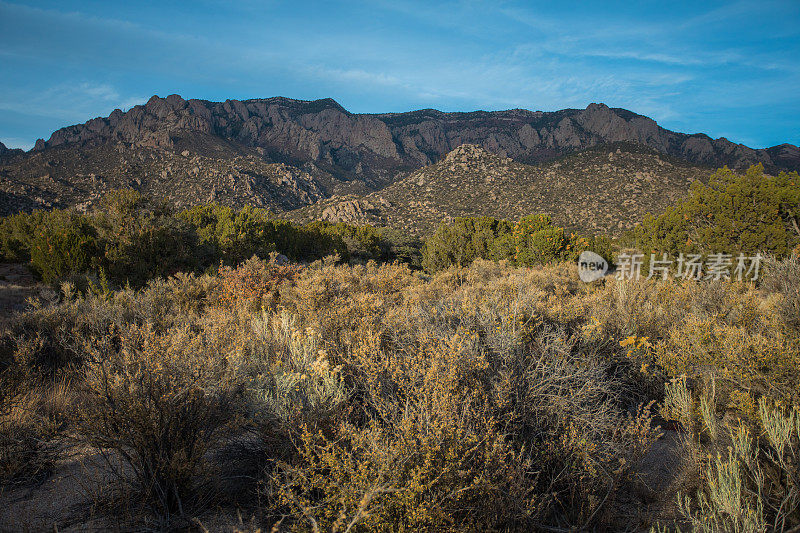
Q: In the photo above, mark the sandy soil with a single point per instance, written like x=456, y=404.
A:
x=63, y=501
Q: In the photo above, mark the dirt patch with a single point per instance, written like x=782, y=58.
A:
x=82, y=492
x=17, y=284
x=64, y=501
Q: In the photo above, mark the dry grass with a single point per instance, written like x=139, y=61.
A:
x=373, y=397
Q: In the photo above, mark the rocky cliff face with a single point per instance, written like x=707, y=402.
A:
x=375, y=147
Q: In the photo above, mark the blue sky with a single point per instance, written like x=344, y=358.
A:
x=728, y=69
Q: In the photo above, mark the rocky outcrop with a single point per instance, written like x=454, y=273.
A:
x=61, y=177
x=376, y=147
x=605, y=189
x=354, y=211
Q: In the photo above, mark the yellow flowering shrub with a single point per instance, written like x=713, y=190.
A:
x=375, y=398
x=159, y=401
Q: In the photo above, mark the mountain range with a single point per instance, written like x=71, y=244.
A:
x=316, y=159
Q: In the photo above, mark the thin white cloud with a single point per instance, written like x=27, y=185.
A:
x=357, y=76
x=72, y=102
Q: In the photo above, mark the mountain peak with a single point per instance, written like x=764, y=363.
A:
x=474, y=158
x=5, y=151
x=467, y=151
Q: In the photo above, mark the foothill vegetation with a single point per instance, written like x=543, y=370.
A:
x=331, y=377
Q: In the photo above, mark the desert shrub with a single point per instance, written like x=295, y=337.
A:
x=732, y=213
x=293, y=381
x=398, y=470
x=449, y=442
x=47, y=341
x=762, y=362
x=158, y=402
x=678, y=404
x=429, y=477
x=29, y=421
x=374, y=397
x=638, y=307
x=462, y=402
x=65, y=242
x=255, y=282
x=538, y=241
x=782, y=277
x=749, y=471
x=44, y=341
x=337, y=300
x=731, y=372
x=566, y=405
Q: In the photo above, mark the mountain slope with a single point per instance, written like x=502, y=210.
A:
x=185, y=179
x=603, y=189
x=284, y=154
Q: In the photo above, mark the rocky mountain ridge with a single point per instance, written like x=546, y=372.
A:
x=374, y=145
x=9, y=152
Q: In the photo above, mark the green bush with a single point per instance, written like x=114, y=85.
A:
x=16, y=234
x=733, y=213
x=538, y=243
x=403, y=247
x=232, y=236
x=463, y=241
x=65, y=242
x=142, y=240
x=361, y=242
x=130, y=239
x=530, y=241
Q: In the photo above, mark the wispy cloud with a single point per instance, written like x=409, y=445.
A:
x=356, y=76
x=75, y=102
x=700, y=70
